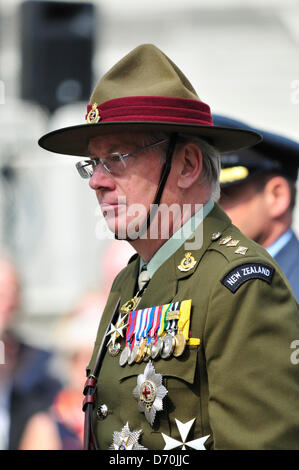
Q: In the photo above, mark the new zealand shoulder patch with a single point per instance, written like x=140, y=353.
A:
x=244, y=272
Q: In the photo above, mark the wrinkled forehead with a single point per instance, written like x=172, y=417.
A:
x=117, y=142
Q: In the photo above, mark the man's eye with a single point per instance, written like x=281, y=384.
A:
x=116, y=157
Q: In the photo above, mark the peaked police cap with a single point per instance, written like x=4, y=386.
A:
x=275, y=154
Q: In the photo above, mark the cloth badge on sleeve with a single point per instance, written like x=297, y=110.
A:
x=244, y=272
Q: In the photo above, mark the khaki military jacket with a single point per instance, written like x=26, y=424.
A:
x=240, y=382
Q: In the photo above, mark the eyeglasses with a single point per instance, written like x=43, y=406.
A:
x=113, y=164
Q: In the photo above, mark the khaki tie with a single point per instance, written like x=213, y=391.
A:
x=143, y=277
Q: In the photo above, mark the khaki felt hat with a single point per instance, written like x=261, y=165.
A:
x=145, y=92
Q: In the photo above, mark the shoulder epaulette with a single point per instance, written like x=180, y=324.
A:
x=231, y=245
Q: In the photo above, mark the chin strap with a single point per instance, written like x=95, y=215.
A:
x=163, y=178
x=90, y=441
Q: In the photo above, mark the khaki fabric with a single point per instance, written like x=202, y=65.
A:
x=239, y=383
x=146, y=72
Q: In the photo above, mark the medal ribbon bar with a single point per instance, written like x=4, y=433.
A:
x=184, y=319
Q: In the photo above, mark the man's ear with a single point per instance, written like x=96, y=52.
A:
x=278, y=196
x=190, y=165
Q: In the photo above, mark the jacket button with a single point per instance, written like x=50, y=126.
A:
x=103, y=411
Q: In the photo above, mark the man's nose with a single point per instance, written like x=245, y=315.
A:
x=101, y=179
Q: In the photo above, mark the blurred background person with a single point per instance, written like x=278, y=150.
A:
x=26, y=386
x=258, y=192
x=61, y=426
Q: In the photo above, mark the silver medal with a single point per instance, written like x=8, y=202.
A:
x=168, y=346
x=133, y=354
x=124, y=355
x=156, y=348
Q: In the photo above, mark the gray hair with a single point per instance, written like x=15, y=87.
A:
x=211, y=159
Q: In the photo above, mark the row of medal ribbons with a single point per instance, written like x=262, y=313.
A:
x=155, y=332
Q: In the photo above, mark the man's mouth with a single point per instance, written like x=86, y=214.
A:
x=111, y=208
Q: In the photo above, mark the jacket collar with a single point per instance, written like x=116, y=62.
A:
x=169, y=273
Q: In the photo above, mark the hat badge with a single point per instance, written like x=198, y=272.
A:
x=94, y=115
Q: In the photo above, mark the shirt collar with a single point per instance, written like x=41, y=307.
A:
x=177, y=239
x=280, y=243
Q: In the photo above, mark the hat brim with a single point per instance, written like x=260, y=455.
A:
x=253, y=173
x=74, y=140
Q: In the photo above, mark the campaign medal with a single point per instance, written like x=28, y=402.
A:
x=168, y=340
x=139, y=325
x=126, y=352
x=156, y=348
x=133, y=354
x=168, y=346
x=124, y=355
x=126, y=439
x=157, y=341
x=187, y=263
x=149, y=392
x=114, y=332
x=173, y=316
x=147, y=354
x=141, y=352
x=148, y=326
x=184, y=429
x=182, y=328
x=180, y=344
x=142, y=333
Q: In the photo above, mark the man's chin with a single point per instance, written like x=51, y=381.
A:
x=116, y=227
x=124, y=231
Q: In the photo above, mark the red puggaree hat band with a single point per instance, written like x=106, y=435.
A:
x=150, y=108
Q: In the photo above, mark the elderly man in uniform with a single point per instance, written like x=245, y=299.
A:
x=258, y=192
x=197, y=353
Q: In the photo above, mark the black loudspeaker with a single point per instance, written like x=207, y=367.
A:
x=57, y=40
